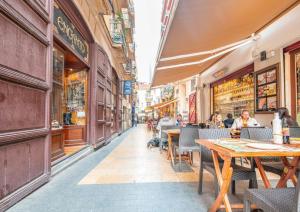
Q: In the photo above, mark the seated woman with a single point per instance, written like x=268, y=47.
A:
x=284, y=113
x=179, y=120
x=217, y=122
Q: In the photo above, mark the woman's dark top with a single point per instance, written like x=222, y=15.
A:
x=228, y=123
x=291, y=122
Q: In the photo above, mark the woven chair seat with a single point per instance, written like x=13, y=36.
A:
x=239, y=172
x=272, y=200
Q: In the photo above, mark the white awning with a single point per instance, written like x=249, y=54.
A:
x=203, y=26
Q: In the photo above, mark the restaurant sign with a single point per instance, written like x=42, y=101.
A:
x=127, y=87
x=67, y=31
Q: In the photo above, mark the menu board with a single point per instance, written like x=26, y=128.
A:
x=267, y=89
x=234, y=95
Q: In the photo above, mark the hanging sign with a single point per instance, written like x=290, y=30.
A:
x=127, y=87
x=67, y=31
x=192, y=108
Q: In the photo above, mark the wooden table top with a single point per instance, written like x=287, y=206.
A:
x=214, y=144
x=172, y=131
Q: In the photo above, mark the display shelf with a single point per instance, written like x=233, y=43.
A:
x=234, y=95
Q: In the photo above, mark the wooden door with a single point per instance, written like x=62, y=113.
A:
x=192, y=108
x=101, y=89
x=25, y=35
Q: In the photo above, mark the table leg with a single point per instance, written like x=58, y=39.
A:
x=170, y=149
x=262, y=172
x=224, y=180
x=288, y=172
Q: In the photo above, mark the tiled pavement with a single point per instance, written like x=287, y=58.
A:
x=122, y=176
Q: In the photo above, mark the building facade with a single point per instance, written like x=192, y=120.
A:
x=61, y=80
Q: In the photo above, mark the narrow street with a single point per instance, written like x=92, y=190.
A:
x=122, y=176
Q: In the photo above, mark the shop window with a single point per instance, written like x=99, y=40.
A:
x=57, y=90
x=75, y=96
x=234, y=95
x=69, y=93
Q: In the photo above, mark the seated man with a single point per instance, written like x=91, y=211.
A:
x=165, y=121
x=244, y=121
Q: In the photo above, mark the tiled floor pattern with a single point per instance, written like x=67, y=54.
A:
x=132, y=162
x=122, y=176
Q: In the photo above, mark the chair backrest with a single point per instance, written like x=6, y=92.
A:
x=214, y=133
x=295, y=132
x=188, y=135
x=245, y=133
x=164, y=135
x=260, y=133
x=211, y=134
x=296, y=202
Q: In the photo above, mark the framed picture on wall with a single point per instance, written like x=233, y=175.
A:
x=267, y=89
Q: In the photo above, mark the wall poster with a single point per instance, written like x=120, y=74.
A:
x=266, y=87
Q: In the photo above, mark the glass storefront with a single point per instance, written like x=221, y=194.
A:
x=234, y=95
x=68, y=104
x=69, y=94
x=57, y=96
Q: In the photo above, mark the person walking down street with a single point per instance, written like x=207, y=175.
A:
x=229, y=121
x=244, y=121
x=217, y=122
x=135, y=120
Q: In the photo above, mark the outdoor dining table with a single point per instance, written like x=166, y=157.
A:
x=228, y=149
x=171, y=133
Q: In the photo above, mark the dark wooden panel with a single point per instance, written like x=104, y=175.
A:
x=100, y=94
x=107, y=131
x=74, y=135
x=100, y=132
x=109, y=69
x=101, y=62
x=2, y=174
x=37, y=155
x=108, y=114
x=108, y=97
x=100, y=113
x=24, y=9
x=57, y=144
x=21, y=107
x=17, y=166
x=101, y=78
x=21, y=51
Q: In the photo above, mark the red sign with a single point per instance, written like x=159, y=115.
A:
x=192, y=108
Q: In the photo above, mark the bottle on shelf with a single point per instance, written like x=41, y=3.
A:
x=285, y=131
x=277, y=129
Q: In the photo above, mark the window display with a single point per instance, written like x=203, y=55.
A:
x=57, y=90
x=234, y=95
x=69, y=93
x=266, y=89
x=75, y=96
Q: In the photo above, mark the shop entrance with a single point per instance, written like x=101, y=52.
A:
x=68, y=104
